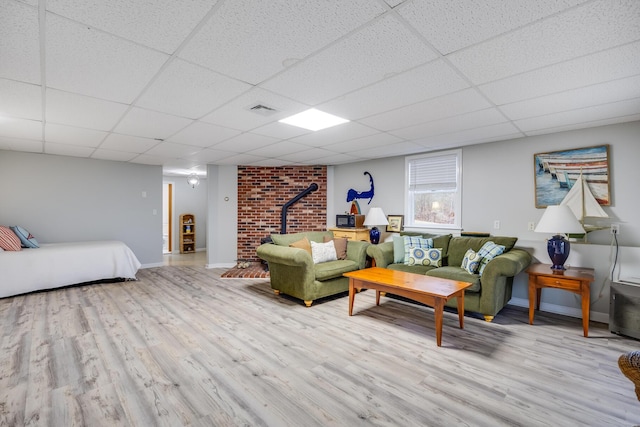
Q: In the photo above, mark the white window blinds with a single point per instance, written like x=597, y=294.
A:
x=433, y=173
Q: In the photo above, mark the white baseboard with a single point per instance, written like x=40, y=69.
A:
x=154, y=264
x=221, y=265
x=596, y=316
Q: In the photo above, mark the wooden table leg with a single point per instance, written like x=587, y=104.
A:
x=352, y=293
x=532, y=298
x=538, y=298
x=586, y=302
x=377, y=297
x=438, y=311
x=461, y=308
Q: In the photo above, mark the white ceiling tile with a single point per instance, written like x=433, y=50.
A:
x=593, y=123
x=145, y=159
x=397, y=149
x=128, y=143
x=72, y=135
x=280, y=130
x=254, y=40
x=496, y=132
x=20, y=128
x=472, y=120
x=424, y=82
x=209, y=155
x=189, y=90
x=353, y=62
x=452, y=25
x=19, y=43
x=245, y=142
x=120, y=156
x=82, y=111
x=203, y=134
x=171, y=150
x=310, y=156
x=343, y=132
x=620, y=62
x=90, y=62
x=160, y=24
x=332, y=159
x=20, y=100
x=271, y=163
x=393, y=3
x=151, y=124
x=450, y=105
x=583, y=115
x=587, y=29
x=602, y=93
x=364, y=144
x=18, y=144
x=240, y=159
x=237, y=114
x=67, y=150
x=279, y=149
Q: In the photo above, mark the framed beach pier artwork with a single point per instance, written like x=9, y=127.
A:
x=557, y=172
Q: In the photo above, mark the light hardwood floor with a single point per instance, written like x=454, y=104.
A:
x=181, y=346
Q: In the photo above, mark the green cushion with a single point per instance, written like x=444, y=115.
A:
x=332, y=269
x=458, y=246
x=459, y=274
x=398, y=249
x=287, y=239
x=417, y=269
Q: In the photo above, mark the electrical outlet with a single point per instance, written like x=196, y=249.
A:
x=531, y=226
x=496, y=224
x=615, y=228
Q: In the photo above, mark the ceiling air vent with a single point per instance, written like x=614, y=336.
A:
x=263, y=110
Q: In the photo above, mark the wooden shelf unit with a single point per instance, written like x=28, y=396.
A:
x=187, y=233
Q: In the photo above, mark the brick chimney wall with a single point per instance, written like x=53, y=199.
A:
x=261, y=193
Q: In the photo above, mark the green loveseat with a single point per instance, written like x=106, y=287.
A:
x=489, y=292
x=293, y=272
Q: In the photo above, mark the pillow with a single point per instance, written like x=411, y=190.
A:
x=323, y=252
x=8, y=239
x=427, y=257
x=26, y=239
x=471, y=261
x=302, y=244
x=489, y=251
x=398, y=249
x=340, y=244
x=415, y=242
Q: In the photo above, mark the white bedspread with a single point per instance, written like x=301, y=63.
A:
x=54, y=265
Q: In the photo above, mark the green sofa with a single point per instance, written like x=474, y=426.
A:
x=293, y=272
x=489, y=292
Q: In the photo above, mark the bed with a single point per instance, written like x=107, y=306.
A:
x=54, y=265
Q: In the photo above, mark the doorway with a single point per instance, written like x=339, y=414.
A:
x=167, y=217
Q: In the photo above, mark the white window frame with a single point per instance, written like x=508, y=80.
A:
x=409, y=212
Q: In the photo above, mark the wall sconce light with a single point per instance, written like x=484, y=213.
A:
x=193, y=180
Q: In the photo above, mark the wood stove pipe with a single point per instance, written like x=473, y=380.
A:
x=283, y=216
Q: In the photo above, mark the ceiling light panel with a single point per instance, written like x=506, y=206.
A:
x=161, y=24
x=190, y=91
x=90, y=62
x=82, y=111
x=314, y=120
x=20, y=100
x=151, y=124
x=450, y=26
x=587, y=29
x=251, y=40
x=19, y=42
x=423, y=82
x=353, y=62
x=335, y=134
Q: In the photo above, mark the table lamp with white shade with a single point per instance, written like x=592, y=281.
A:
x=375, y=217
x=560, y=220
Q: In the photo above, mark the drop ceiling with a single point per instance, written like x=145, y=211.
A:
x=173, y=82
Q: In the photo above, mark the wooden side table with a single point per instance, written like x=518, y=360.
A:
x=351, y=233
x=574, y=279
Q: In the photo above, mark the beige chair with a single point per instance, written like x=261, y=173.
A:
x=629, y=364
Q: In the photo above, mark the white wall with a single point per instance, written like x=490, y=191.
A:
x=189, y=200
x=64, y=199
x=222, y=216
x=498, y=184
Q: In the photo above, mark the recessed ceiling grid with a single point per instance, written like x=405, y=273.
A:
x=171, y=82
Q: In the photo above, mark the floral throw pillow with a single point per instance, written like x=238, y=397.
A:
x=471, y=261
x=428, y=257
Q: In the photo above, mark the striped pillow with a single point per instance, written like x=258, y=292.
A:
x=489, y=251
x=8, y=239
x=415, y=242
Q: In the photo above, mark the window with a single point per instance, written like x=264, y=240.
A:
x=434, y=194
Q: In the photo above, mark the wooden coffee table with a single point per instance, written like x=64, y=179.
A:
x=431, y=291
